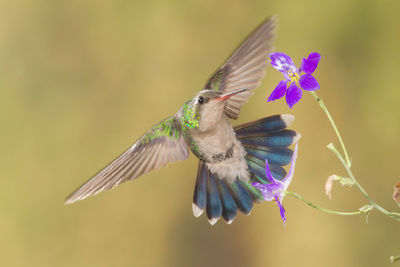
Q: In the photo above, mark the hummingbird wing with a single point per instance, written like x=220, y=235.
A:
x=245, y=68
x=159, y=146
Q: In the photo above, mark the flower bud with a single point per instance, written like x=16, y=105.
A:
x=328, y=186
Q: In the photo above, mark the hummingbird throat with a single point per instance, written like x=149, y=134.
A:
x=190, y=116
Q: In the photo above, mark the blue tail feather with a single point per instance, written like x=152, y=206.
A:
x=200, y=190
x=229, y=209
x=279, y=139
x=268, y=139
x=254, y=192
x=257, y=166
x=214, y=205
x=268, y=124
x=276, y=156
x=221, y=198
x=257, y=169
x=243, y=199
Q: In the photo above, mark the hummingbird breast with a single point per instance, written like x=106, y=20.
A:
x=222, y=151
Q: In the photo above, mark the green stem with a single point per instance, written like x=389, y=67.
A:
x=346, y=162
x=393, y=259
x=309, y=203
x=349, y=172
x=393, y=215
x=325, y=109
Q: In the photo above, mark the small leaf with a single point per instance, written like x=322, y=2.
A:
x=366, y=208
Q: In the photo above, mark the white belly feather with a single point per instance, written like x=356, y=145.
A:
x=218, y=142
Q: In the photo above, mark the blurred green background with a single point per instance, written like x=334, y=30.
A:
x=80, y=81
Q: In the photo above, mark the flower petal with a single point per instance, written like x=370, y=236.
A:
x=293, y=94
x=283, y=63
x=281, y=209
x=308, y=82
x=279, y=91
x=288, y=178
x=268, y=174
x=266, y=190
x=311, y=63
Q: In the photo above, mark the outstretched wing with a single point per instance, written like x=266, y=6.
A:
x=161, y=145
x=245, y=68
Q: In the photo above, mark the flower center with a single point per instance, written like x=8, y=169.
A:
x=276, y=191
x=275, y=188
x=294, y=76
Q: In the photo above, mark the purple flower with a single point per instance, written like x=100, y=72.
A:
x=275, y=190
x=293, y=76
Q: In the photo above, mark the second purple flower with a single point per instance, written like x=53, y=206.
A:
x=293, y=77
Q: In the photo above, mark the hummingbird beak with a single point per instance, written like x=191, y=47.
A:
x=229, y=94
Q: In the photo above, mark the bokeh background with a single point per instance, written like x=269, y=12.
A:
x=80, y=81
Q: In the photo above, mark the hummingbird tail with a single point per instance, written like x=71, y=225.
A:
x=268, y=139
x=221, y=198
x=263, y=139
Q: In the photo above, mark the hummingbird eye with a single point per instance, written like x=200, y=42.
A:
x=200, y=100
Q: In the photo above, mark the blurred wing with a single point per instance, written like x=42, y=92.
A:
x=161, y=145
x=245, y=68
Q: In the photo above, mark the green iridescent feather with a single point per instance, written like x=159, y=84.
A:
x=192, y=143
x=215, y=81
x=190, y=120
x=218, y=80
x=190, y=117
x=166, y=127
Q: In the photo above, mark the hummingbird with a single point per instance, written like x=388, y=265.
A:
x=230, y=158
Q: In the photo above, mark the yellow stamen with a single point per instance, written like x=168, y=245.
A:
x=294, y=77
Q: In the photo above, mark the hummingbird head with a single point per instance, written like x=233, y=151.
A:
x=206, y=109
